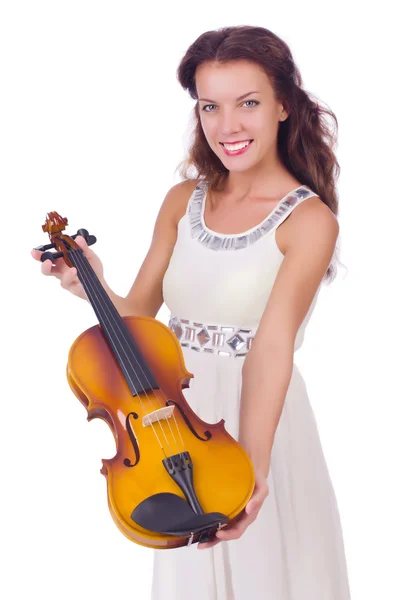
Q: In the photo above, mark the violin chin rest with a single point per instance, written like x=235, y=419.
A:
x=171, y=514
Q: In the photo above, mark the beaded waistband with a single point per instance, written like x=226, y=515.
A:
x=215, y=339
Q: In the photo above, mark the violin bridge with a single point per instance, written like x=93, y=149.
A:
x=158, y=415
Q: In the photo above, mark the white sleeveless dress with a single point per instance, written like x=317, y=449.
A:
x=216, y=288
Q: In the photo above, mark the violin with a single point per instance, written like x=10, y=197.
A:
x=175, y=480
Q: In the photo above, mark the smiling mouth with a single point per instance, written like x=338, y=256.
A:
x=237, y=148
x=235, y=143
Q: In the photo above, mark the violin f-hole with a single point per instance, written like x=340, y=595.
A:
x=207, y=434
x=127, y=461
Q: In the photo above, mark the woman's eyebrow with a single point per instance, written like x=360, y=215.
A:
x=239, y=98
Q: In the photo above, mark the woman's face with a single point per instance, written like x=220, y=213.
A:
x=226, y=116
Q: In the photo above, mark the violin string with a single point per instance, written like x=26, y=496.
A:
x=124, y=350
x=99, y=289
x=121, y=360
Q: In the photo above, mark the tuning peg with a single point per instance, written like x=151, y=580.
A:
x=83, y=232
x=50, y=255
x=90, y=239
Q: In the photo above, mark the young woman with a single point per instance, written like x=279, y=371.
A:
x=239, y=254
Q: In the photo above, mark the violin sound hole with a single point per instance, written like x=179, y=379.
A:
x=207, y=433
x=127, y=461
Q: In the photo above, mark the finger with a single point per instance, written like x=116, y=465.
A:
x=48, y=267
x=253, y=505
x=257, y=499
x=57, y=269
x=36, y=254
x=69, y=278
x=204, y=545
x=233, y=533
x=251, y=512
x=237, y=530
x=80, y=241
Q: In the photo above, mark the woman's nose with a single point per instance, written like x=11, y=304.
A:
x=228, y=123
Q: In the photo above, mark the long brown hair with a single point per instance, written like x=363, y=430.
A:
x=305, y=140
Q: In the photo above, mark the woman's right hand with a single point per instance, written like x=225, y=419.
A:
x=68, y=275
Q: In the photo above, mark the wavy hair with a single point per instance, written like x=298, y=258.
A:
x=305, y=140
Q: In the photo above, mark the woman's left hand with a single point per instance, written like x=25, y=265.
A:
x=261, y=491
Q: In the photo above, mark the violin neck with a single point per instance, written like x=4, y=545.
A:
x=125, y=350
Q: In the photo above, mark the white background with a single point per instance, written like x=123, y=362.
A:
x=93, y=125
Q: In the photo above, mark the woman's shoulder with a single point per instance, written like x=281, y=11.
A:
x=182, y=193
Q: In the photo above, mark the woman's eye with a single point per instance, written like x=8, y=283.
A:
x=256, y=101
x=209, y=105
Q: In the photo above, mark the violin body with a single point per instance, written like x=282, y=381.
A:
x=222, y=473
x=174, y=480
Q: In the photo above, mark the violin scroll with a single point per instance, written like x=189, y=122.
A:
x=54, y=225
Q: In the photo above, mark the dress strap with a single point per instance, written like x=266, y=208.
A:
x=288, y=203
x=193, y=197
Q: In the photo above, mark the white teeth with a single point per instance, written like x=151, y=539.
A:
x=236, y=146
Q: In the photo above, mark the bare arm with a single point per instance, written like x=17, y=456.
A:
x=146, y=294
x=268, y=367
